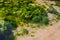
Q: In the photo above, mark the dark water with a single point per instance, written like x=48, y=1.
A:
x=7, y=34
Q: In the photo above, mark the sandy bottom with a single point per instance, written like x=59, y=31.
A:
x=48, y=33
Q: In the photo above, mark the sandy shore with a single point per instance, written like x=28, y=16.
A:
x=48, y=33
